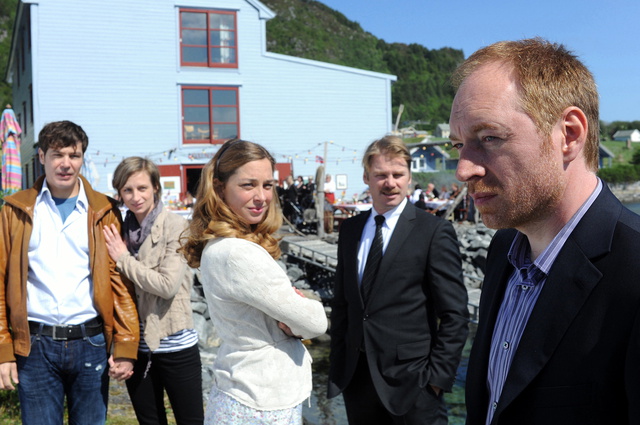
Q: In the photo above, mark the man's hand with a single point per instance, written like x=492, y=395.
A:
x=8, y=375
x=120, y=369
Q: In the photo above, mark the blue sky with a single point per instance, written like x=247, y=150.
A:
x=604, y=34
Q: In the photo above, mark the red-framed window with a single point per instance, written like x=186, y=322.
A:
x=208, y=38
x=210, y=114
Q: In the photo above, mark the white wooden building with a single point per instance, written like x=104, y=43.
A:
x=627, y=135
x=173, y=79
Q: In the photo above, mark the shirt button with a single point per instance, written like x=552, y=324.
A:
x=505, y=345
x=494, y=406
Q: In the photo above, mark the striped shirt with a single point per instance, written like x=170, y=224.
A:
x=178, y=341
x=523, y=289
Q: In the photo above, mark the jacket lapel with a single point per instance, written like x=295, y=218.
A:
x=498, y=272
x=571, y=280
x=350, y=245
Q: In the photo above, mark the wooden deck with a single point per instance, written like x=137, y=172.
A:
x=325, y=255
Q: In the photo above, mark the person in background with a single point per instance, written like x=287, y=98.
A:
x=415, y=195
x=329, y=200
x=329, y=189
x=365, y=196
x=168, y=356
x=262, y=372
x=431, y=192
x=444, y=192
x=63, y=305
x=455, y=191
x=311, y=185
x=420, y=202
x=558, y=337
x=289, y=200
x=188, y=200
x=399, y=312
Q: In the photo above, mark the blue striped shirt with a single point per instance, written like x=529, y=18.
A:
x=523, y=289
x=178, y=341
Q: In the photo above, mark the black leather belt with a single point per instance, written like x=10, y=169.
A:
x=64, y=332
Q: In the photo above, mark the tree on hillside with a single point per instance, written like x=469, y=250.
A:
x=7, y=15
x=423, y=80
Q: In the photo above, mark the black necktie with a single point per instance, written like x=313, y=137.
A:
x=373, y=260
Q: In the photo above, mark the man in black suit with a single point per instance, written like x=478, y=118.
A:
x=398, y=325
x=558, y=339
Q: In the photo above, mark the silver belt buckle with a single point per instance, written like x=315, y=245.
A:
x=60, y=329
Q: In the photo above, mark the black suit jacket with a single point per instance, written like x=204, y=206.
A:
x=415, y=324
x=579, y=356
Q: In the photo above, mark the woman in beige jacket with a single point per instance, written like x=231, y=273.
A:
x=168, y=357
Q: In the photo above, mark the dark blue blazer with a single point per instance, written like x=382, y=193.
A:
x=415, y=323
x=578, y=362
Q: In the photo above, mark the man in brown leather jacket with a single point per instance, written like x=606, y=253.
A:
x=63, y=306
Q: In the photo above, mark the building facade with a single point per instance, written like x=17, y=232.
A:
x=173, y=79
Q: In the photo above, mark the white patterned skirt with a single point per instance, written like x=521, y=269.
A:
x=223, y=409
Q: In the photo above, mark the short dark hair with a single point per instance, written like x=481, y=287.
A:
x=62, y=134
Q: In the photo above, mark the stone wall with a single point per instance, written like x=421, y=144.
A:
x=474, y=241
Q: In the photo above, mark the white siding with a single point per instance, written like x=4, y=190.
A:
x=114, y=68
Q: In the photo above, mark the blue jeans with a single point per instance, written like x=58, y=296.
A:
x=76, y=369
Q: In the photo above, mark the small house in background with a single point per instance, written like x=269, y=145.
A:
x=442, y=131
x=627, y=135
x=173, y=81
x=428, y=158
x=606, y=157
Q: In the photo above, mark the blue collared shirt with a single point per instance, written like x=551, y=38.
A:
x=523, y=289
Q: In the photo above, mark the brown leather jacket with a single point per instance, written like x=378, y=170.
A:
x=112, y=298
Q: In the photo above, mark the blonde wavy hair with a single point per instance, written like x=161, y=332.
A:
x=212, y=217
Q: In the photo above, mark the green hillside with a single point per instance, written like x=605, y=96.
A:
x=7, y=15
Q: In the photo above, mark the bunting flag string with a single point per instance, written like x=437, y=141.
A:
x=337, y=153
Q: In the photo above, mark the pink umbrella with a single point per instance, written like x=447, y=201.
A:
x=11, y=165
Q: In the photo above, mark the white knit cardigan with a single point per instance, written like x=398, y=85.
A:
x=248, y=293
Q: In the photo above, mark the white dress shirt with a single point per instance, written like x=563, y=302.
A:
x=248, y=293
x=390, y=221
x=59, y=284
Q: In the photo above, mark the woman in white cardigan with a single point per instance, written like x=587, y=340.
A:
x=262, y=370
x=168, y=356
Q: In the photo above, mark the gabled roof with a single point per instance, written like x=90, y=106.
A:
x=424, y=146
x=624, y=133
x=605, y=153
x=263, y=11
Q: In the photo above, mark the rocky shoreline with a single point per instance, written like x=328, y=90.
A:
x=627, y=193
